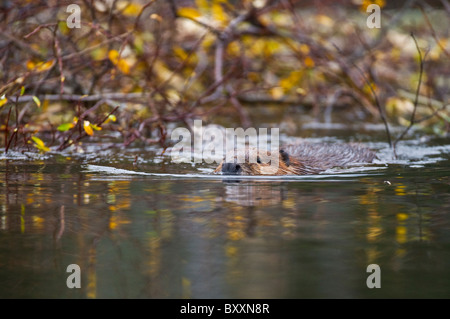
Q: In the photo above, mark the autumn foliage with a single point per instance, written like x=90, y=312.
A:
x=135, y=67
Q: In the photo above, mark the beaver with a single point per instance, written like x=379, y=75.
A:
x=298, y=159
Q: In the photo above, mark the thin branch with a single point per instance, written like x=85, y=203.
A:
x=377, y=102
x=416, y=99
x=69, y=141
x=39, y=27
x=433, y=33
x=6, y=130
x=86, y=98
x=57, y=53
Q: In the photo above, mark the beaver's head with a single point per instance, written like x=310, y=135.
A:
x=250, y=161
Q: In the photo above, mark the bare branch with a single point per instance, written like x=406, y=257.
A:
x=416, y=99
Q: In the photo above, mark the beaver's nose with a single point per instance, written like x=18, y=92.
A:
x=231, y=169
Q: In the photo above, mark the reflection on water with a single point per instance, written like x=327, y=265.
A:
x=150, y=237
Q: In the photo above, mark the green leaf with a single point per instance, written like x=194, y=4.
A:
x=22, y=90
x=95, y=127
x=37, y=101
x=65, y=127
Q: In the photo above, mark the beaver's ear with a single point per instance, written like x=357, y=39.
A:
x=285, y=157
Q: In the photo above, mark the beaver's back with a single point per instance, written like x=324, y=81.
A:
x=322, y=156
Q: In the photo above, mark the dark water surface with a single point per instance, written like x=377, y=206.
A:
x=144, y=236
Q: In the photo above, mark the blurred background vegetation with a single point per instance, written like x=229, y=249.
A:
x=134, y=69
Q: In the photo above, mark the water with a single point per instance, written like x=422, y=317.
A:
x=159, y=230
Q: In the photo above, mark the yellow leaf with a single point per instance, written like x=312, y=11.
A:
x=218, y=13
x=180, y=52
x=37, y=101
x=121, y=64
x=369, y=87
x=301, y=91
x=270, y=47
x=44, y=66
x=203, y=5
x=132, y=10
x=30, y=65
x=110, y=118
x=38, y=141
x=304, y=48
x=233, y=48
x=208, y=41
x=187, y=12
x=156, y=17
x=45, y=105
x=39, y=144
x=87, y=128
x=113, y=55
x=292, y=80
x=277, y=92
x=366, y=3
x=309, y=62
x=39, y=66
x=324, y=20
x=3, y=101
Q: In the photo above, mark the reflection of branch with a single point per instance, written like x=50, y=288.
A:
x=61, y=223
x=416, y=99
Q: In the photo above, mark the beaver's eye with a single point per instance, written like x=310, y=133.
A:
x=258, y=160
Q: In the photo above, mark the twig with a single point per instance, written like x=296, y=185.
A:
x=6, y=130
x=377, y=102
x=92, y=48
x=141, y=12
x=10, y=140
x=446, y=5
x=106, y=117
x=433, y=33
x=86, y=98
x=39, y=27
x=57, y=52
x=416, y=100
x=243, y=115
x=68, y=141
x=22, y=45
x=423, y=100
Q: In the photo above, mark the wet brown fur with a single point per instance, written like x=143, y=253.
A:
x=306, y=158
